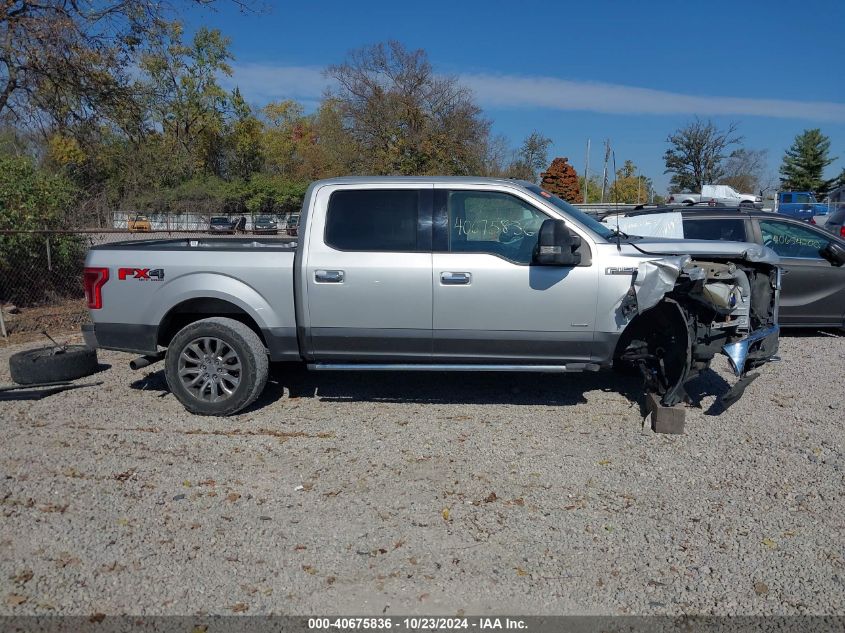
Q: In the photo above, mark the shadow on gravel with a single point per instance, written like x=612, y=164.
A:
x=452, y=387
x=808, y=332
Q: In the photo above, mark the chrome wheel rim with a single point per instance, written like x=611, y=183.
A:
x=210, y=369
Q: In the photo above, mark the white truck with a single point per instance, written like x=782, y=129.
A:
x=717, y=194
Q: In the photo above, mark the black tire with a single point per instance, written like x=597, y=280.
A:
x=49, y=364
x=250, y=354
x=745, y=204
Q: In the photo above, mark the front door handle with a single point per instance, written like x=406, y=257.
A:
x=328, y=276
x=455, y=279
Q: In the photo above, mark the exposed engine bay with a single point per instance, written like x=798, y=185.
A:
x=685, y=310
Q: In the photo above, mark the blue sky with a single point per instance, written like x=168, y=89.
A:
x=629, y=71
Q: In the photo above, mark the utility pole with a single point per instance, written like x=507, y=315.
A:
x=604, y=173
x=586, y=171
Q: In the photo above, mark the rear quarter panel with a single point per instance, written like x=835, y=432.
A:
x=260, y=283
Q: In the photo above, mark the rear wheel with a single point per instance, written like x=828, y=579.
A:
x=216, y=366
x=745, y=204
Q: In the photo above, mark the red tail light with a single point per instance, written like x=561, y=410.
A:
x=94, y=279
x=842, y=231
x=812, y=220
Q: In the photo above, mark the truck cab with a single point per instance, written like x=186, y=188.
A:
x=801, y=205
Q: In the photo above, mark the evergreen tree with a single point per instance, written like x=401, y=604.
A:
x=803, y=164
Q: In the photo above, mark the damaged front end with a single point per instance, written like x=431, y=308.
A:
x=685, y=309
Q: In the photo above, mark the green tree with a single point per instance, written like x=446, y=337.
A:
x=532, y=156
x=33, y=200
x=804, y=163
x=629, y=187
x=245, y=138
x=186, y=100
x=696, y=152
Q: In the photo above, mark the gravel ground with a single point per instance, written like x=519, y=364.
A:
x=395, y=494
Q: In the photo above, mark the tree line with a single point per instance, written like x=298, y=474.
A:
x=112, y=103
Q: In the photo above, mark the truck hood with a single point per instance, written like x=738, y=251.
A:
x=705, y=248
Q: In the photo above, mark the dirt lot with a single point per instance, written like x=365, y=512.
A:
x=427, y=493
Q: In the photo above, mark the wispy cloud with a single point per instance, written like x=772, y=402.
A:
x=261, y=82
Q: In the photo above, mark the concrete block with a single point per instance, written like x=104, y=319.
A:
x=665, y=419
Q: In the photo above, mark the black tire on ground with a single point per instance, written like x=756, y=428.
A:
x=250, y=354
x=745, y=204
x=46, y=364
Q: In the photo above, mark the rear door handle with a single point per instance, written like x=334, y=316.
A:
x=455, y=279
x=328, y=276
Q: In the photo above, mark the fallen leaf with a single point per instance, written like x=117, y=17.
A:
x=15, y=599
x=232, y=496
x=23, y=576
x=604, y=462
x=490, y=498
x=521, y=572
x=769, y=543
x=96, y=618
x=445, y=514
x=308, y=569
x=761, y=588
x=187, y=483
x=239, y=607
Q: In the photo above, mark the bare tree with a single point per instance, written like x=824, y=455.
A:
x=745, y=169
x=696, y=152
x=405, y=118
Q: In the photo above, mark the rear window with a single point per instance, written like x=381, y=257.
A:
x=723, y=229
x=219, y=220
x=837, y=216
x=373, y=220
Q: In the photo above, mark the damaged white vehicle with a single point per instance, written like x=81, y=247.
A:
x=432, y=274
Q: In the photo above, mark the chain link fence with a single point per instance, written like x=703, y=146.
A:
x=41, y=271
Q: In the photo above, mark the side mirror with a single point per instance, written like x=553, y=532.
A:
x=556, y=245
x=834, y=253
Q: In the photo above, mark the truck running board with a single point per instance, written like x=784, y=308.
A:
x=543, y=369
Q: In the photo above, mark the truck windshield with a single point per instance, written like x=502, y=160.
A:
x=589, y=222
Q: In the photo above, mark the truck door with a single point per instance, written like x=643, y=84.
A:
x=368, y=273
x=490, y=304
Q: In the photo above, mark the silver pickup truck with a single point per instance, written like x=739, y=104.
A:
x=432, y=274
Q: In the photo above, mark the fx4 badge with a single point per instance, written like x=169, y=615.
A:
x=620, y=270
x=147, y=274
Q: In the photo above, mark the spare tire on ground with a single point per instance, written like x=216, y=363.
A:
x=52, y=364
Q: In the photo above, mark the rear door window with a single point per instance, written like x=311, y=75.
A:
x=791, y=240
x=373, y=220
x=724, y=229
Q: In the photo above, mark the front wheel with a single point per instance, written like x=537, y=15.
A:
x=216, y=366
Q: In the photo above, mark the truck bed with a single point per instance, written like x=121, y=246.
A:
x=154, y=284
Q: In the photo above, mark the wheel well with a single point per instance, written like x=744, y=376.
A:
x=193, y=310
